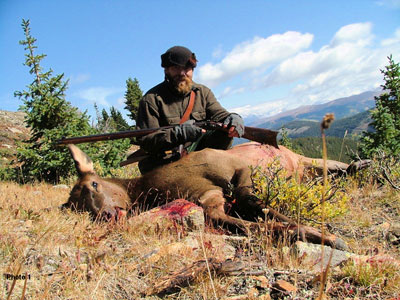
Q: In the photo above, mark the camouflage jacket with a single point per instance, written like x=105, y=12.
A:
x=162, y=106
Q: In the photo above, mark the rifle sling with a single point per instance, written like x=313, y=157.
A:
x=189, y=108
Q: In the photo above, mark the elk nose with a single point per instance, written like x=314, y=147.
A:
x=108, y=214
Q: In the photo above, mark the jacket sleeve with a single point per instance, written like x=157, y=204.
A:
x=215, y=111
x=158, y=141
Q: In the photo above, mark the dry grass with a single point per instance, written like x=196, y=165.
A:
x=67, y=256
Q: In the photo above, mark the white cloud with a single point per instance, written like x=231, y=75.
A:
x=250, y=55
x=263, y=109
x=358, y=32
x=98, y=95
x=392, y=41
x=348, y=44
x=231, y=91
x=348, y=65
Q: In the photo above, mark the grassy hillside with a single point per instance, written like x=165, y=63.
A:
x=12, y=130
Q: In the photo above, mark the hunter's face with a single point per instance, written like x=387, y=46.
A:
x=181, y=78
x=179, y=74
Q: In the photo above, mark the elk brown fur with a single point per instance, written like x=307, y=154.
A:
x=202, y=177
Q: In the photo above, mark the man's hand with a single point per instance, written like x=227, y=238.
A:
x=235, y=125
x=188, y=132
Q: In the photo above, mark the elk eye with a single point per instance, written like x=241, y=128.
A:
x=94, y=185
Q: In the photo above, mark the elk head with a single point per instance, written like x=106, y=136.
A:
x=102, y=198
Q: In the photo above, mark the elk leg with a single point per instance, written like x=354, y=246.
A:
x=247, y=204
x=213, y=203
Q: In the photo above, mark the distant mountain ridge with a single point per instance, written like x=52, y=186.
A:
x=342, y=108
x=354, y=125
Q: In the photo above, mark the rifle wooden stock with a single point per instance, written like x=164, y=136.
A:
x=261, y=135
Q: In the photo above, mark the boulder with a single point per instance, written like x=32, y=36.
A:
x=178, y=213
x=311, y=254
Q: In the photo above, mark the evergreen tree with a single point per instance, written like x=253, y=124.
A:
x=110, y=122
x=49, y=116
x=133, y=95
x=285, y=140
x=118, y=120
x=288, y=142
x=385, y=116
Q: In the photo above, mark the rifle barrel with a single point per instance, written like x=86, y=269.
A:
x=261, y=135
x=109, y=136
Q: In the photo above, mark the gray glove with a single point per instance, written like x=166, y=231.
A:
x=187, y=132
x=237, y=121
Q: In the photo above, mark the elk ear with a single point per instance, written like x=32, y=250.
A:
x=83, y=162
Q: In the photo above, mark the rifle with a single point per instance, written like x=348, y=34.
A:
x=261, y=135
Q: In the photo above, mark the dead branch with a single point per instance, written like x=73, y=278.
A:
x=186, y=275
x=386, y=176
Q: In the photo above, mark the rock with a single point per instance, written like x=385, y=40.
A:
x=262, y=281
x=178, y=248
x=284, y=286
x=15, y=130
x=312, y=254
x=376, y=260
x=264, y=297
x=393, y=234
x=191, y=244
x=224, y=243
x=217, y=244
x=188, y=215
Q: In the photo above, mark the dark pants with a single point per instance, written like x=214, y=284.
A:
x=212, y=139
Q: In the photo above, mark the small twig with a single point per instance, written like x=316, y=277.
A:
x=14, y=282
x=24, y=289
x=386, y=176
x=245, y=273
x=97, y=285
x=324, y=125
x=341, y=148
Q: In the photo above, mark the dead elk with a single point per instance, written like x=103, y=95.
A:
x=202, y=177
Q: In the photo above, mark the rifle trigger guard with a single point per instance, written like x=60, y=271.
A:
x=210, y=125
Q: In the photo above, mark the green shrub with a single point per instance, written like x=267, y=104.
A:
x=298, y=199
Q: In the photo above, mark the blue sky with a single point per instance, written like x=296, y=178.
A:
x=258, y=56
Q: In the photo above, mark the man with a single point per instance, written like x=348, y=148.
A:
x=169, y=103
